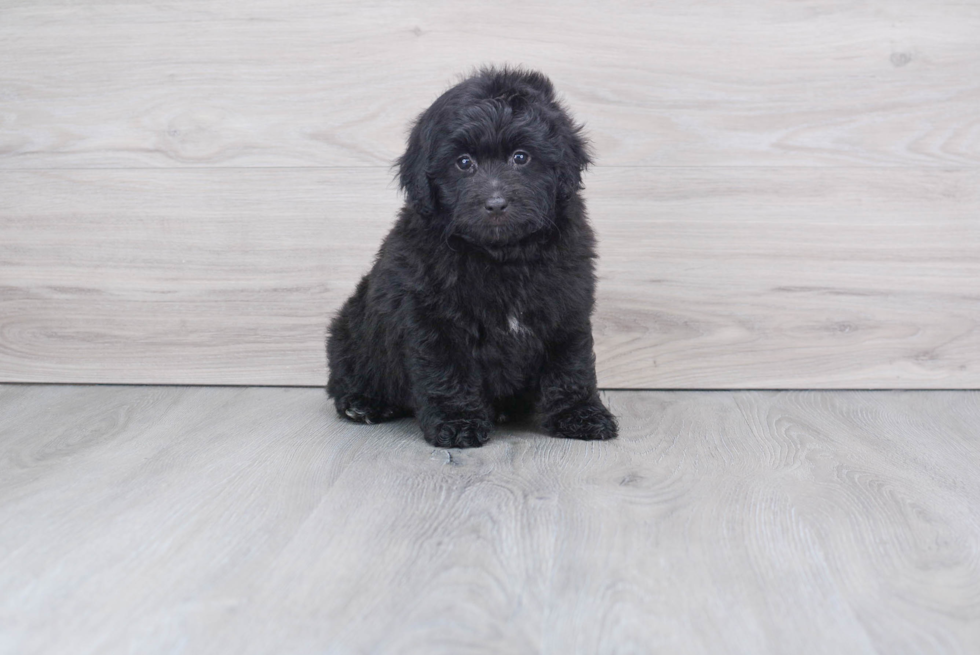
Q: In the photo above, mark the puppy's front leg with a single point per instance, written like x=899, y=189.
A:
x=446, y=389
x=569, y=401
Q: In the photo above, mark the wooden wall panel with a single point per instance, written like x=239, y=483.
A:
x=788, y=277
x=107, y=83
x=786, y=193
x=709, y=277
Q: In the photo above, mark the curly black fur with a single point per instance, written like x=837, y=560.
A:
x=478, y=306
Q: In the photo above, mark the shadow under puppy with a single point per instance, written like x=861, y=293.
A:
x=478, y=306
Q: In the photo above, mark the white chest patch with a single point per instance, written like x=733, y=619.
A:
x=515, y=325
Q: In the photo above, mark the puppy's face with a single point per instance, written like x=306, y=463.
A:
x=493, y=158
x=495, y=181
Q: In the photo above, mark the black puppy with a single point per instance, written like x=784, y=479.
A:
x=477, y=307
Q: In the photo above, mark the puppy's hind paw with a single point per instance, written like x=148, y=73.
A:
x=365, y=410
x=589, y=421
x=458, y=433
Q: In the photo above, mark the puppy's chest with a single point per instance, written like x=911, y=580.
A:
x=510, y=324
x=510, y=334
x=508, y=309
x=509, y=344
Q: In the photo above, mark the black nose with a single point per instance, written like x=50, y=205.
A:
x=496, y=204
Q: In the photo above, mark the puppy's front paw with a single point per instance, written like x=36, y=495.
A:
x=365, y=410
x=458, y=432
x=589, y=420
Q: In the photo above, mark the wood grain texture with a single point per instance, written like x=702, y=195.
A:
x=774, y=278
x=786, y=193
x=709, y=278
x=242, y=520
x=107, y=83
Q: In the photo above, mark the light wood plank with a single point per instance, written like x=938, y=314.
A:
x=770, y=278
x=304, y=83
x=202, y=277
x=709, y=278
x=237, y=520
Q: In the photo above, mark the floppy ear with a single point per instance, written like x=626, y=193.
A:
x=575, y=159
x=413, y=167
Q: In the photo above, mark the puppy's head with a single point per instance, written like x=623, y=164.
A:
x=493, y=157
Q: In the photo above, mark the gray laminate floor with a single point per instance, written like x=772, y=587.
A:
x=252, y=520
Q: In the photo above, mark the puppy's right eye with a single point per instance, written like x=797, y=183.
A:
x=465, y=163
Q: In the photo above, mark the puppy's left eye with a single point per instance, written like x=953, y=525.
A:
x=520, y=157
